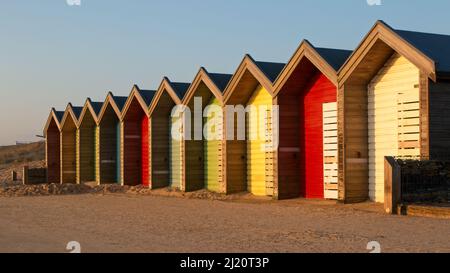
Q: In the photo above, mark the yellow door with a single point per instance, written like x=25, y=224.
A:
x=259, y=107
x=393, y=118
x=213, y=148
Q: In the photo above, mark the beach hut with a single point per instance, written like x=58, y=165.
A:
x=249, y=159
x=203, y=158
x=166, y=154
x=393, y=97
x=69, y=143
x=306, y=92
x=87, y=142
x=52, y=146
x=135, y=147
x=108, y=153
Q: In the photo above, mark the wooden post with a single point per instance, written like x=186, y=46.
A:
x=392, y=185
x=13, y=176
x=25, y=175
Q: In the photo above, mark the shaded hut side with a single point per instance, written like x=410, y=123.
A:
x=108, y=153
x=165, y=152
x=135, y=138
x=393, y=92
x=87, y=142
x=249, y=163
x=203, y=153
x=53, y=146
x=306, y=92
x=69, y=144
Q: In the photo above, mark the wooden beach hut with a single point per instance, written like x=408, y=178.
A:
x=249, y=162
x=166, y=152
x=203, y=158
x=135, y=146
x=69, y=143
x=87, y=142
x=306, y=92
x=108, y=153
x=393, y=98
x=53, y=146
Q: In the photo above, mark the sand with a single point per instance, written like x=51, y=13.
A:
x=127, y=222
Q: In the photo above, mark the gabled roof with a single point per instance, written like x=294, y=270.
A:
x=176, y=90
x=214, y=81
x=144, y=97
x=264, y=72
x=116, y=102
x=327, y=60
x=56, y=116
x=429, y=52
x=180, y=88
x=72, y=112
x=94, y=109
x=271, y=70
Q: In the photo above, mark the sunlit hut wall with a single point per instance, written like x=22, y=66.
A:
x=203, y=153
x=249, y=163
x=87, y=142
x=393, y=99
x=68, y=144
x=108, y=154
x=135, y=138
x=306, y=92
x=53, y=146
x=165, y=152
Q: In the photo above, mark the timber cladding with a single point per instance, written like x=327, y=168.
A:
x=203, y=154
x=166, y=153
x=249, y=164
x=87, y=145
x=68, y=144
x=53, y=146
x=390, y=97
x=383, y=111
x=108, y=150
x=306, y=92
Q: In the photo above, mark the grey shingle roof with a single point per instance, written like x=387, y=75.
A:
x=59, y=115
x=77, y=111
x=180, y=88
x=97, y=106
x=435, y=46
x=221, y=80
x=271, y=70
x=334, y=57
x=120, y=101
x=147, y=95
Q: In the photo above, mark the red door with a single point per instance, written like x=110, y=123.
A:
x=145, y=151
x=320, y=91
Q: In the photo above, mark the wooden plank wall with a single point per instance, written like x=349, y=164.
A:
x=213, y=150
x=108, y=160
x=68, y=153
x=160, y=140
x=86, y=150
x=439, y=120
x=53, y=153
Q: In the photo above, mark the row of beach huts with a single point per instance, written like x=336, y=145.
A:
x=339, y=114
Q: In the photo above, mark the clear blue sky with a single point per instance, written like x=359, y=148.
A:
x=52, y=53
